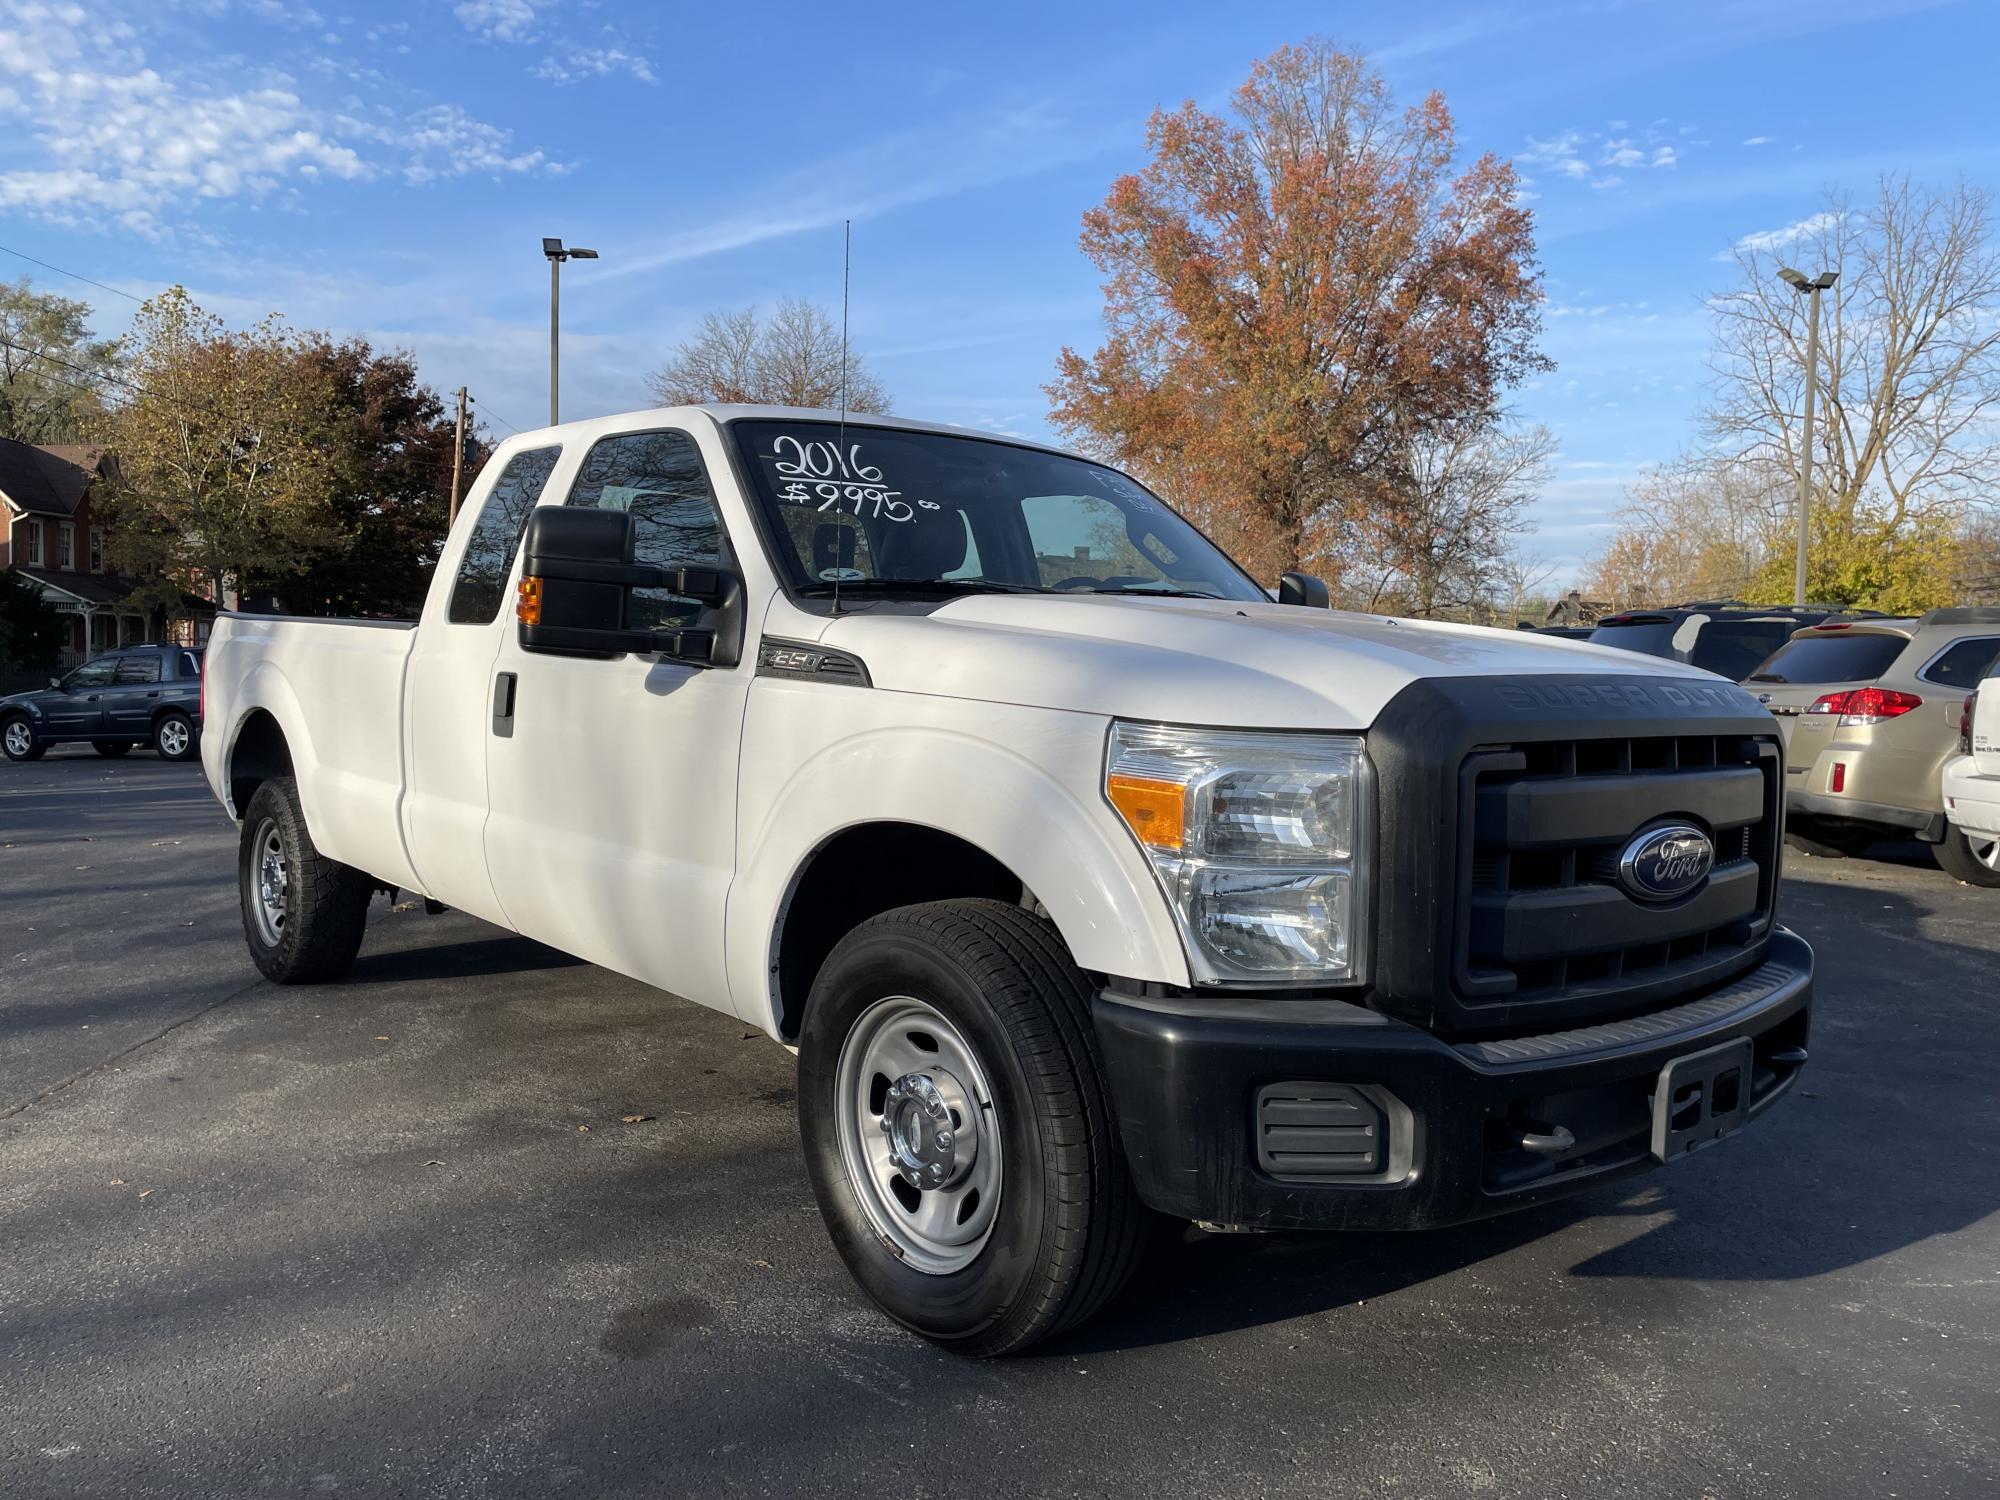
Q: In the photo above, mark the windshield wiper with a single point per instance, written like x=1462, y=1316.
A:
x=1158, y=591
x=922, y=586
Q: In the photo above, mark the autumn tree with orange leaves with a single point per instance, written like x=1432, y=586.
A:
x=1295, y=297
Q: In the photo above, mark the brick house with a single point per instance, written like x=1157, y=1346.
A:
x=53, y=538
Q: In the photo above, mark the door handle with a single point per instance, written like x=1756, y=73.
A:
x=503, y=705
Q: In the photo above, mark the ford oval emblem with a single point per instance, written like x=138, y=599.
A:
x=1666, y=861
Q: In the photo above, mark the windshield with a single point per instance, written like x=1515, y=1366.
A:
x=886, y=510
x=1731, y=647
x=1832, y=658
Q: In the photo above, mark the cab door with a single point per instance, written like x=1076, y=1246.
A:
x=447, y=710
x=612, y=783
x=75, y=710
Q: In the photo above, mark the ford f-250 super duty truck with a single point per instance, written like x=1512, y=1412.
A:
x=1090, y=883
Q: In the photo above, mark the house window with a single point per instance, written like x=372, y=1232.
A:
x=66, y=546
x=96, y=550
x=33, y=530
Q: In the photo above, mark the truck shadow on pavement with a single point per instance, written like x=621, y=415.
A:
x=1891, y=1137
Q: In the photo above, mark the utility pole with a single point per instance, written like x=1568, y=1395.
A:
x=1811, y=289
x=553, y=249
x=457, y=458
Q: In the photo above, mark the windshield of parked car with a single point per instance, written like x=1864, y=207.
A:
x=1831, y=658
x=1730, y=647
x=881, y=510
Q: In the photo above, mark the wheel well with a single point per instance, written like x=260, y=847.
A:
x=860, y=873
x=260, y=752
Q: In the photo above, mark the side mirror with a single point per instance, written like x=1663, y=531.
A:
x=1305, y=591
x=55, y=682
x=577, y=577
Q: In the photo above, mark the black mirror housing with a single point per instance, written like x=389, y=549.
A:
x=1305, y=591
x=577, y=577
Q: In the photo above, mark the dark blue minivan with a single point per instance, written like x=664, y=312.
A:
x=134, y=695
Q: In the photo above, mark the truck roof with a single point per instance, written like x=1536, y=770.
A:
x=724, y=413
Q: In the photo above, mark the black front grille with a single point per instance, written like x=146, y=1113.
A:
x=1544, y=923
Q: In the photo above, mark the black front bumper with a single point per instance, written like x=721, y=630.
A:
x=1193, y=1081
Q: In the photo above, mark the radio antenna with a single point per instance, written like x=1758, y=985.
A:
x=846, y=263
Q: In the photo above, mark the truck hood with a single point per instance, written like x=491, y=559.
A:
x=1199, y=661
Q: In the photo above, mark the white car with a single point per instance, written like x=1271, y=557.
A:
x=1088, y=882
x=1971, y=847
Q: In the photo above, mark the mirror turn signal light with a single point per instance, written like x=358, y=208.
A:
x=528, y=602
x=1155, y=811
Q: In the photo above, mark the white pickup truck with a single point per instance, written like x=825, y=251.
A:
x=1091, y=884
x=1971, y=847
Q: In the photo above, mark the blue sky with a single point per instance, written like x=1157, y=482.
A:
x=389, y=170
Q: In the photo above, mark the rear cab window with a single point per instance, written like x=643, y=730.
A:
x=481, y=585
x=1735, y=648
x=1847, y=657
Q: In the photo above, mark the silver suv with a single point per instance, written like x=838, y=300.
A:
x=1869, y=712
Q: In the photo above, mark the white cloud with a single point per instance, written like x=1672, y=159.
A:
x=1597, y=159
x=1765, y=240
x=582, y=63
x=122, y=143
x=1759, y=140
x=498, y=20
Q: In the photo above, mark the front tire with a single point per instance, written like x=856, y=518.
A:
x=174, y=736
x=980, y=1194
x=17, y=740
x=1973, y=858
x=303, y=914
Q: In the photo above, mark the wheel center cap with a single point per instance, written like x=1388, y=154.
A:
x=932, y=1138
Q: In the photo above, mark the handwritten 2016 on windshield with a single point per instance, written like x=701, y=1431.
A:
x=820, y=472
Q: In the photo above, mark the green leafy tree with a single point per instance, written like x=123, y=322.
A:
x=393, y=496
x=231, y=454
x=31, y=630
x=50, y=366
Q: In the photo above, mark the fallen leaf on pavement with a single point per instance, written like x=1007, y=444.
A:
x=144, y=1194
x=584, y=1128
x=433, y=1163
x=635, y=1119
x=381, y=1039
x=761, y=1264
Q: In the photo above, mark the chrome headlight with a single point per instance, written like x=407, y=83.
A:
x=1260, y=843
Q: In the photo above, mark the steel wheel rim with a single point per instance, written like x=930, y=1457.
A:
x=18, y=738
x=887, y=1073
x=273, y=884
x=173, y=737
x=1987, y=852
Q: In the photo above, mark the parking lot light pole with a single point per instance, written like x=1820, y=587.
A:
x=553, y=249
x=1797, y=281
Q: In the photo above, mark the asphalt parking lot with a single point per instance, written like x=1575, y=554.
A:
x=483, y=1220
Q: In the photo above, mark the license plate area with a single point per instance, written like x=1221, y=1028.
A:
x=1701, y=1098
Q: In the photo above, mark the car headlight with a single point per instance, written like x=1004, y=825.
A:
x=1260, y=843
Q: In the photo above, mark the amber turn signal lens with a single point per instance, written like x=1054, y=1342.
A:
x=1155, y=811
x=528, y=604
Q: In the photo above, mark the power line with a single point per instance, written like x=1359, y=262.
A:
x=73, y=275
x=97, y=375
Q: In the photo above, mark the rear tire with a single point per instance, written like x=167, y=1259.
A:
x=303, y=914
x=1062, y=1225
x=1973, y=858
x=174, y=736
x=18, y=741
x=111, y=749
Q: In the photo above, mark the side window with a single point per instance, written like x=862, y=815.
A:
x=658, y=479
x=133, y=669
x=481, y=585
x=189, y=666
x=1963, y=663
x=95, y=673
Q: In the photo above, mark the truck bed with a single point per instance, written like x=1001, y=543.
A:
x=336, y=688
